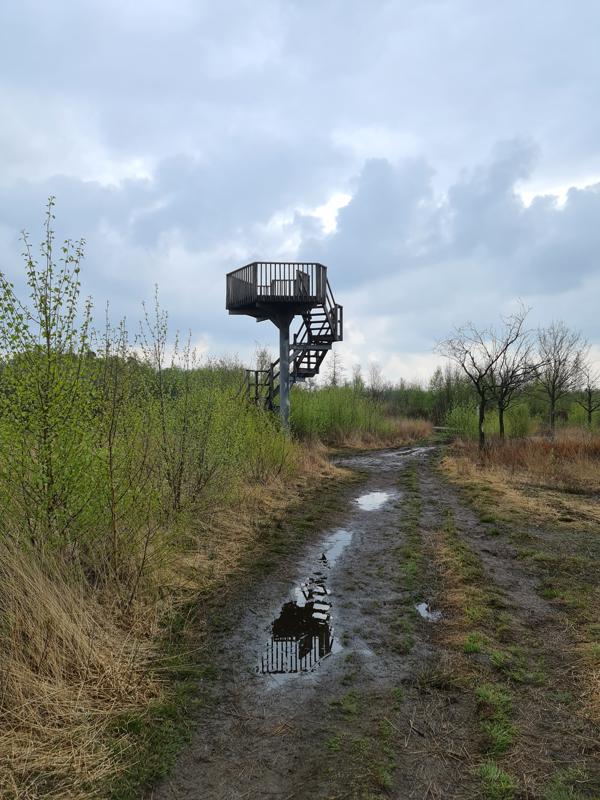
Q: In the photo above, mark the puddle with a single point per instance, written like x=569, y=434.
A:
x=424, y=610
x=302, y=634
x=372, y=500
x=334, y=546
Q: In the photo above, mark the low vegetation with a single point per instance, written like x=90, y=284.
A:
x=347, y=415
x=553, y=480
x=538, y=500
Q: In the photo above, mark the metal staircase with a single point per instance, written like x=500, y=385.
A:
x=321, y=326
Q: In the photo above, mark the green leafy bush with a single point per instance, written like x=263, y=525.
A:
x=336, y=412
x=462, y=420
x=518, y=421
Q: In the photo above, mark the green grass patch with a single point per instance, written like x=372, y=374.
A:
x=474, y=643
x=349, y=704
x=496, y=783
x=565, y=785
x=334, y=743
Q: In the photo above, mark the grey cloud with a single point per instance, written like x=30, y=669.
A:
x=390, y=218
x=395, y=223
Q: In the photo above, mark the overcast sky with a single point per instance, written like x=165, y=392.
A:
x=442, y=157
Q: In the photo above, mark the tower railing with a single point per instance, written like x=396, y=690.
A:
x=277, y=281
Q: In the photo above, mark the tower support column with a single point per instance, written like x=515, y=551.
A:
x=283, y=323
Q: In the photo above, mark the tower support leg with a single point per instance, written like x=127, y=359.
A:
x=284, y=372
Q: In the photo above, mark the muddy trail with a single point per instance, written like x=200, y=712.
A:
x=345, y=675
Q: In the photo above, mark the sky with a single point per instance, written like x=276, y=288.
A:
x=441, y=157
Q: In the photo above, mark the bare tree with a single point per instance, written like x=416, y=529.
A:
x=589, y=392
x=357, y=379
x=263, y=358
x=477, y=353
x=516, y=366
x=335, y=373
x=376, y=381
x=562, y=355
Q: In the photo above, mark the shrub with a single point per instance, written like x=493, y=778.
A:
x=336, y=412
x=518, y=421
x=462, y=420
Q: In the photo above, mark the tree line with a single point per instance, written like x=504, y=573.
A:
x=500, y=363
x=492, y=368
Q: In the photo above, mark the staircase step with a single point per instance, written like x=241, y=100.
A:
x=309, y=348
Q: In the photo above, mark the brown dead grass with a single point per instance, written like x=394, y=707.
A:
x=72, y=661
x=547, y=480
x=65, y=668
x=400, y=432
x=590, y=670
x=225, y=535
x=551, y=486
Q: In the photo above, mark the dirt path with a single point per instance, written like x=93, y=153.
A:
x=372, y=697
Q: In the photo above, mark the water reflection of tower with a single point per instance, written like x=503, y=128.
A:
x=302, y=634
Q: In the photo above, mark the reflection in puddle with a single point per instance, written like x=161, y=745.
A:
x=372, y=500
x=302, y=634
x=424, y=610
x=334, y=546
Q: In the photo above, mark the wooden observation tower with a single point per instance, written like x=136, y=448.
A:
x=279, y=291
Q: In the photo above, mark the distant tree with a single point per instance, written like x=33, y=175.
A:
x=263, y=358
x=335, y=372
x=477, y=352
x=449, y=388
x=376, y=381
x=357, y=379
x=515, y=368
x=561, y=353
x=588, y=396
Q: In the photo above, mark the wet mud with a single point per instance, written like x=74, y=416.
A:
x=312, y=660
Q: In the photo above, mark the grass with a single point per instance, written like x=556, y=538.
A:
x=348, y=416
x=154, y=745
x=495, y=705
x=477, y=626
x=365, y=746
x=334, y=743
x=474, y=643
x=497, y=783
x=565, y=785
x=349, y=704
x=542, y=493
x=551, y=480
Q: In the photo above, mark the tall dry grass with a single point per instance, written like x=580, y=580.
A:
x=66, y=668
x=570, y=462
x=397, y=433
